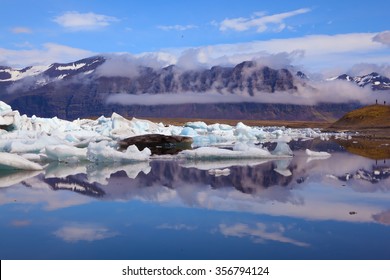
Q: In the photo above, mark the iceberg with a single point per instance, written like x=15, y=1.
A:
x=11, y=161
x=65, y=153
x=282, y=149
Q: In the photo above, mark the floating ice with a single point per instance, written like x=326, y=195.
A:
x=12, y=161
x=317, y=154
x=65, y=153
x=282, y=149
x=37, y=136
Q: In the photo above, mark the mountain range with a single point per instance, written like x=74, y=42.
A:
x=80, y=89
x=374, y=80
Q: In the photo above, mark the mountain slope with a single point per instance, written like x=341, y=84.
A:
x=368, y=117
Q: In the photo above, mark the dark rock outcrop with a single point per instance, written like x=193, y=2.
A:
x=158, y=143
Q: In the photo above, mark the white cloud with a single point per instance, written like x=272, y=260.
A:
x=383, y=37
x=82, y=232
x=176, y=27
x=84, y=21
x=21, y=30
x=48, y=54
x=260, y=21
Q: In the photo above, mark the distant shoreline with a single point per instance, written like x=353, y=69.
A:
x=289, y=124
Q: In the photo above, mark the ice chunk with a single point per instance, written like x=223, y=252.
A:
x=6, y=120
x=65, y=153
x=33, y=157
x=196, y=125
x=31, y=145
x=317, y=154
x=12, y=161
x=188, y=131
x=102, y=152
x=282, y=149
x=4, y=108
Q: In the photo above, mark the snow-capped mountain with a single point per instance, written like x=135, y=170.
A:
x=45, y=74
x=81, y=88
x=376, y=81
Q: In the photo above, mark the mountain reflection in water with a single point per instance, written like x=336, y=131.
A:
x=301, y=202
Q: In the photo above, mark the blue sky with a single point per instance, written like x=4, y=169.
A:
x=316, y=35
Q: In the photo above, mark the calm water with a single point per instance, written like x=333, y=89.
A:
x=303, y=208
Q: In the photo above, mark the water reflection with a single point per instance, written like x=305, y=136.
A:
x=265, y=202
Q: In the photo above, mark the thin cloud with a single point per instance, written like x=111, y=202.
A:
x=21, y=30
x=260, y=233
x=84, y=21
x=383, y=37
x=177, y=27
x=260, y=21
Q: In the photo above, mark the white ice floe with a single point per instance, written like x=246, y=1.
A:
x=12, y=161
x=317, y=154
x=66, y=153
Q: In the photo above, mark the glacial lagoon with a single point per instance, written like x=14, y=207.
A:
x=335, y=207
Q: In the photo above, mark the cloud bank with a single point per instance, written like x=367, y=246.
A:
x=46, y=55
x=317, y=92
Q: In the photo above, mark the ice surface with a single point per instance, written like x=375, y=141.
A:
x=66, y=153
x=12, y=161
x=54, y=139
